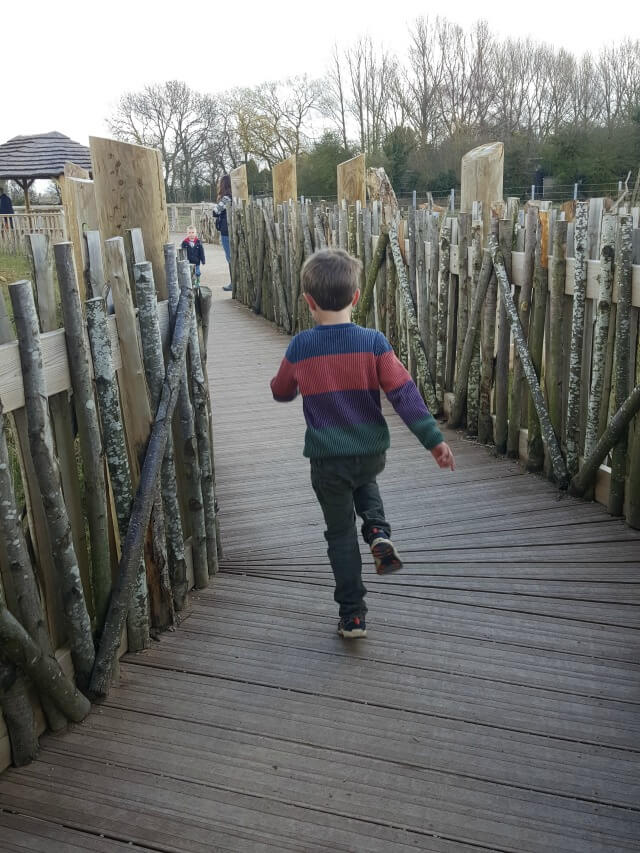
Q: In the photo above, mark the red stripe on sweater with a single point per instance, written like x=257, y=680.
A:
x=352, y=371
x=391, y=372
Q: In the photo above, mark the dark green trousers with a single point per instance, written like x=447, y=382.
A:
x=344, y=486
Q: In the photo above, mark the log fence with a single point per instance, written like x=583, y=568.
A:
x=87, y=420
x=543, y=383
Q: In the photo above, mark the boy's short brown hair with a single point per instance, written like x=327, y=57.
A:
x=331, y=277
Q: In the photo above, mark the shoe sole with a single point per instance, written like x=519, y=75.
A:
x=353, y=635
x=386, y=558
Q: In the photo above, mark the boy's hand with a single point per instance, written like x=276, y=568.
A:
x=443, y=455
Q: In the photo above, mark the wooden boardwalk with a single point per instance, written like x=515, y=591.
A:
x=494, y=705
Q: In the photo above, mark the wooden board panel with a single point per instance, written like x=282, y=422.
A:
x=351, y=177
x=81, y=212
x=481, y=180
x=129, y=186
x=239, y=183
x=285, y=183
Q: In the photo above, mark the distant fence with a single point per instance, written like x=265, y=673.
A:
x=14, y=227
x=437, y=299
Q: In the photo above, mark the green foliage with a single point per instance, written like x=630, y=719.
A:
x=397, y=148
x=317, y=167
x=592, y=155
x=259, y=180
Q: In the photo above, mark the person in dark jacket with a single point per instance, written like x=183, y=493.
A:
x=222, y=223
x=195, y=251
x=6, y=207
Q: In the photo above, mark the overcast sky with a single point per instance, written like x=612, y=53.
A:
x=65, y=64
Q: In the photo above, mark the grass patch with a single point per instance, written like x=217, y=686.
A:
x=13, y=268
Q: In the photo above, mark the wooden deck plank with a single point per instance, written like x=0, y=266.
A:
x=495, y=704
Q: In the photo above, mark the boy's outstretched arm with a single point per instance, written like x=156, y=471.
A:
x=284, y=385
x=405, y=398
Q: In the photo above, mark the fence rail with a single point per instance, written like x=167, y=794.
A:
x=14, y=227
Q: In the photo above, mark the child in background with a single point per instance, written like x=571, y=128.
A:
x=339, y=368
x=195, y=251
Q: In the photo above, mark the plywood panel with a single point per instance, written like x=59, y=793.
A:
x=239, y=183
x=285, y=182
x=129, y=185
x=352, y=180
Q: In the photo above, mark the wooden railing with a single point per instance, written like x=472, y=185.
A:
x=14, y=227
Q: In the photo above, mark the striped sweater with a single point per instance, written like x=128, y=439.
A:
x=339, y=370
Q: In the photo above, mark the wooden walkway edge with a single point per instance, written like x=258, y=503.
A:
x=495, y=704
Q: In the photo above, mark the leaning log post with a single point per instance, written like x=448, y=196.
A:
x=200, y=400
x=622, y=353
x=577, y=336
x=617, y=427
x=95, y=490
x=485, y=423
x=464, y=303
x=18, y=714
x=390, y=297
x=443, y=307
x=48, y=474
x=115, y=448
x=603, y=314
x=549, y=437
x=555, y=378
x=505, y=237
x=518, y=397
x=23, y=580
x=463, y=382
x=412, y=330
x=535, y=449
x=44, y=671
x=189, y=449
x=124, y=589
x=154, y=370
x=279, y=298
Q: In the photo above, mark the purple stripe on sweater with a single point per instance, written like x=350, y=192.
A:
x=343, y=409
x=408, y=403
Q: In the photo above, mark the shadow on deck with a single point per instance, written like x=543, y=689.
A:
x=493, y=706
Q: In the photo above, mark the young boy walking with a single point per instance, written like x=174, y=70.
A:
x=195, y=251
x=339, y=368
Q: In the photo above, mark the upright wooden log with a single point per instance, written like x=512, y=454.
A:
x=617, y=427
x=117, y=458
x=124, y=590
x=535, y=451
x=463, y=383
x=622, y=358
x=60, y=410
x=280, y=301
x=518, y=395
x=44, y=671
x=485, y=423
x=390, y=298
x=577, y=335
x=443, y=307
x=41, y=444
x=424, y=377
x=464, y=301
x=374, y=267
x=23, y=580
x=200, y=398
x=505, y=237
x=88, y=429
x=434, y=263
x=549, y=437
x=189, y=449
x=473, y=384
x=555, y=377
x=603, y=314
x=481, y=177
x=129, y=186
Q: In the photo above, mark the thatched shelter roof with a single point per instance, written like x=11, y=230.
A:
x=29, y=158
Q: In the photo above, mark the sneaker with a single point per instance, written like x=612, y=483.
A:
x=352, y=627
x=228, y=287
x=384, y=552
